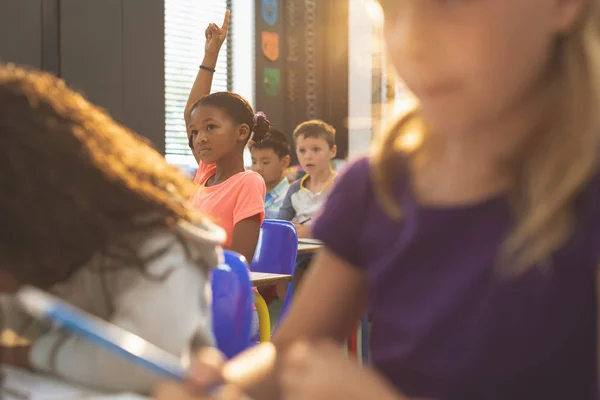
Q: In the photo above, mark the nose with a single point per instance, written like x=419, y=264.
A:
x=201, y=138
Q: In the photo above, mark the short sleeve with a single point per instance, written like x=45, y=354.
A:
x=287, y=211
x=251, y=198
x=204, y=172
x=339, y=224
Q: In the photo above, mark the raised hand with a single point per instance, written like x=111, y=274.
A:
x=215, y=36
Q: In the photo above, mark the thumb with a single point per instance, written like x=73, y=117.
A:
x=206, y=369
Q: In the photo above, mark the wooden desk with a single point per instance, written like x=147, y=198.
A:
x=307, y=248
x=261, y=279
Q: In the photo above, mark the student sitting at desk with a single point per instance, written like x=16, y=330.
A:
x=315, y=148
x=93, y=215
x=219, y=126
x=271, y=158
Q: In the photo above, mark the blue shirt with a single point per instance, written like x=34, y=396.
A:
x=274, y=199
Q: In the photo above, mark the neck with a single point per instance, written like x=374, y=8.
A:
x=227, y=167
x=273, y=185
x=491, y=146
x=321, y=176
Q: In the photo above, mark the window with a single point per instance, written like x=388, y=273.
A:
x=185, y=22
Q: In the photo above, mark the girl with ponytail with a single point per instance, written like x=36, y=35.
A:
x=219, y=126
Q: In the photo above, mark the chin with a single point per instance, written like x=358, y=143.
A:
x=207, y=160
x=449, y=123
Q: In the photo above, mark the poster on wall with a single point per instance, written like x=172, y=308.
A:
x=301, y=64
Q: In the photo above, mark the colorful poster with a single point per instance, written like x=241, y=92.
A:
x=272, y=81
x=270, y=11
x=270, y=45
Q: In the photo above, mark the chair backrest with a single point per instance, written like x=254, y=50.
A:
x=277, y=248
x=232, y=301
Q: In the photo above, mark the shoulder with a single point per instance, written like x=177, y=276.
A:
x=250, y=181
x=294, y=187
x=204, y=172
x=252, y=177
x=357, y=174
x=181, y=244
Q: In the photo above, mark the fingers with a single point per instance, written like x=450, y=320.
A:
x=297, y=357
x=172, y=391
x=225, y=25
x=250, y=366
x=211, y=30
x=206, y=370
x=295, y=371
x=228, y=392
x=175, y=391
x=210, y=356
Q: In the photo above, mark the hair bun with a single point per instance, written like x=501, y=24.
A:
x=261, y=127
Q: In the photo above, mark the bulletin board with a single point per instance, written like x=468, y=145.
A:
x=302, y=64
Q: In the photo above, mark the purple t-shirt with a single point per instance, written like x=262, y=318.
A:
x=445, y=326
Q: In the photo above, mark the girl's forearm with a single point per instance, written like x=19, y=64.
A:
x=203, y=82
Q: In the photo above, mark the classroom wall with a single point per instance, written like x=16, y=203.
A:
x=111, y=50
x=301, y=69
x=360, y=51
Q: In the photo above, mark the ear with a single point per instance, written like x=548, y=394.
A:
x=566, y=14
x=333, y=151
x=285, y=162
x=243, y=133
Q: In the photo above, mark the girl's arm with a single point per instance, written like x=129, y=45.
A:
x=327, y=306
x=245, y=237
x=215, y=37
x=248, y=214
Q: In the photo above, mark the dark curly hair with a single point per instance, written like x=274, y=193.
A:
x=274, y=140
x=73, y=181
x=239, y=110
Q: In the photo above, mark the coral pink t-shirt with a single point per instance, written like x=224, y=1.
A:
x=239, y=197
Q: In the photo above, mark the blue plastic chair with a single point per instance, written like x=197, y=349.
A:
x=276, y=252
x=232, y=301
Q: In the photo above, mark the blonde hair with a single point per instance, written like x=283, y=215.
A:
x=548, y=176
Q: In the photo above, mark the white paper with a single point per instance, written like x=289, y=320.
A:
x=40, y=387
x=309, y=241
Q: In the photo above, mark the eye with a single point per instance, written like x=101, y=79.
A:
x=194, y=132
x=316, y=149
x=266, y=163
x=210, y=127
x=301, y=151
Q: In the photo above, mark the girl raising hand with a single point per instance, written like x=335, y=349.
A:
x=219, y=126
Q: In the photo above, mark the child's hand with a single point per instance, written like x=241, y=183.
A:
x=322, y=371
x=303, y=230
x=205, y=373
x=215, y=36
x=174, y=391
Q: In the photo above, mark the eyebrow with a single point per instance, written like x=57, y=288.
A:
x=206, y=120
